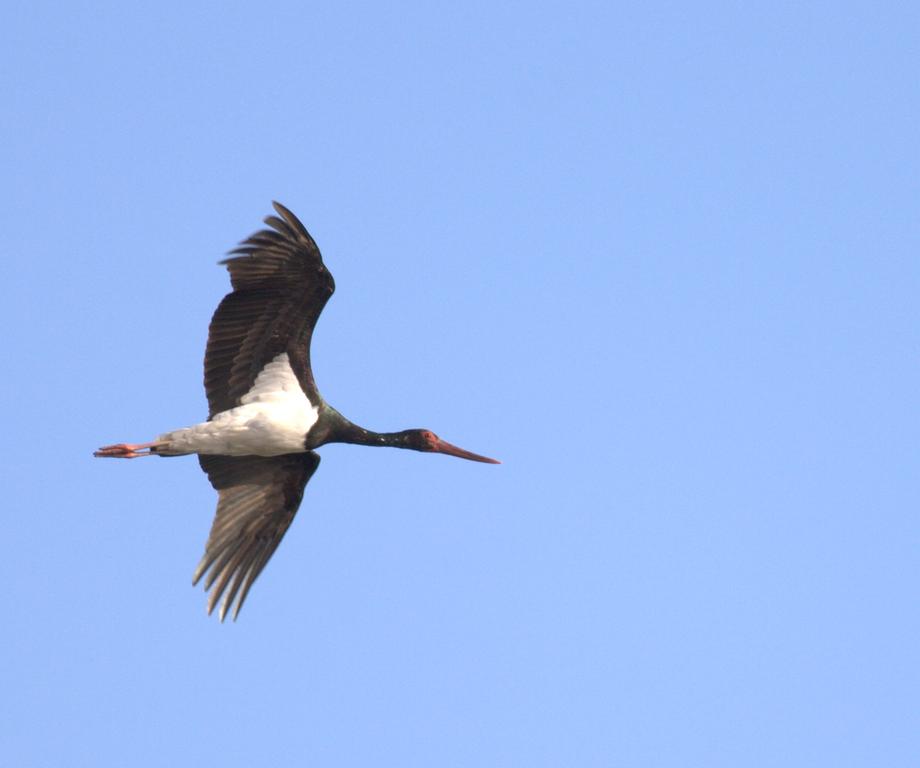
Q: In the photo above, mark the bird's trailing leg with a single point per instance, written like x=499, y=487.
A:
x=127, y=450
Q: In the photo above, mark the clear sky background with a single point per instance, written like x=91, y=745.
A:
x=659, y=258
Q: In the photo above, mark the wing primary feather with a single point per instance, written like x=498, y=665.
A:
x=257, y=565
x=227, y=575
x=239, y=575
x=291, y=219
x=282, y=226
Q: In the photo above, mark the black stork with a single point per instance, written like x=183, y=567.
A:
x=265, y=414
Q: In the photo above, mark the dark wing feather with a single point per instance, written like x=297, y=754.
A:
x=258, y=498
x=280, y=286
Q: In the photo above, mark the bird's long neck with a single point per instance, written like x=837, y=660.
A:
x=341, y=430
x=360, y=436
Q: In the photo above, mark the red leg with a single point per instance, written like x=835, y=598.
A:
x=126, y=450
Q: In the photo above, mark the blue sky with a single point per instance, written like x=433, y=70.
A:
x=659, y=258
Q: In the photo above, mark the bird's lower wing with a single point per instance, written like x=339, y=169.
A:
x=258, y=498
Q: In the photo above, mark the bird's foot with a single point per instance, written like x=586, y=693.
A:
x=126, y=450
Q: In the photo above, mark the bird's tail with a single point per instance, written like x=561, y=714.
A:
x=175, y=443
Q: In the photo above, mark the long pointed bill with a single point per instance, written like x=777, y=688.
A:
x=442, y=446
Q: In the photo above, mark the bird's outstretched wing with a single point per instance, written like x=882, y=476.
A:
x=258, y=498
x=280, y=286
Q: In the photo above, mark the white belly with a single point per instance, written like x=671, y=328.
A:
x=273, y=418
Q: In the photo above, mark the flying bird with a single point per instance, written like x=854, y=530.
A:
x=265, y=414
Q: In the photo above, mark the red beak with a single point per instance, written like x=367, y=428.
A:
x=442, y=446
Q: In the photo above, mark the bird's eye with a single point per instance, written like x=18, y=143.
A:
x=429, y=438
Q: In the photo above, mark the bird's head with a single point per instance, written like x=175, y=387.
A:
x=428, y=441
